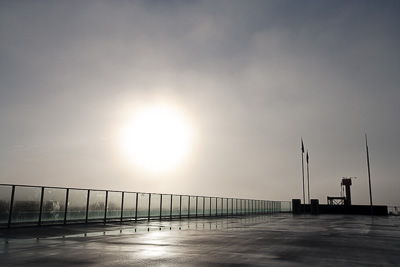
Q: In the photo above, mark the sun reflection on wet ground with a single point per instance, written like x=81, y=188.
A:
x=281, y=239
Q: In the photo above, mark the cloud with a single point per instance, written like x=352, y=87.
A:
x=252, y=77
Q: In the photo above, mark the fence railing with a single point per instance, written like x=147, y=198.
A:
x=394, y=210
x=39, y=205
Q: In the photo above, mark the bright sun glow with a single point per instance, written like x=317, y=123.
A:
x=157, y=138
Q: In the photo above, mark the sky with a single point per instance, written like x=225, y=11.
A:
x=249, y=77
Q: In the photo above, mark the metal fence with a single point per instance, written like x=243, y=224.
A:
x=37, y=205
x=394, y=210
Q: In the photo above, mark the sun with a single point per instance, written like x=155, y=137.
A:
x=157, y=138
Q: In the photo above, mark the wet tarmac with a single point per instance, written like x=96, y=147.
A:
x=263, y=240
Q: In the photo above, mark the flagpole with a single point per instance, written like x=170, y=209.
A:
x=302, y=167
x=308, y=178
x=369, y=174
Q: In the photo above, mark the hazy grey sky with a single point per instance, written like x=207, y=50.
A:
x=252, y=76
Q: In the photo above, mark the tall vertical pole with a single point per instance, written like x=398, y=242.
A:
x=302, y=169
x=369, y=174
x=308, y=178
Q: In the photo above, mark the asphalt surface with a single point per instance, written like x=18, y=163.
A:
x=263, y=240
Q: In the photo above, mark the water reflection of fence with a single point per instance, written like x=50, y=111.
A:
x=34, y=205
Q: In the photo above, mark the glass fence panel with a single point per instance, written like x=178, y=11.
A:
x=213, y=206
x=26, y=204
x=238, y=206
x=176, y=205
x=225, y=206
x=185, y=206
x=129, y=211
x=97, y=204
x=166, y=206
x=114, y=202
x=207, y=206
x=77, y=201
x=53, y=209
x=155, y=202
x=219, y=206
x=5, y=198
x=193, y=206
x=248, y=206
x=143, y=205
x=286, y=206
x=257, y=206
x=200, y=206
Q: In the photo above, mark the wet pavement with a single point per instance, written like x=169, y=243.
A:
x=263, y=240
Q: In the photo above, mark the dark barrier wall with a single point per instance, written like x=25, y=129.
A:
x=316, y=208
x=296, y=206
x=353, y=209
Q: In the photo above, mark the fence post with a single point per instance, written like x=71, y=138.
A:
x=170, y=209
x=148, y=212
x=87, y=206
x=216, y=206
x=41, y=206
x=160, y=206
x=204, y=206
x=11, y=206
x=66, y=205
x=197, y=200
x=105, y=207
x=180, y=206
x=122, y=205
x=137, y=199
x=189, y=207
